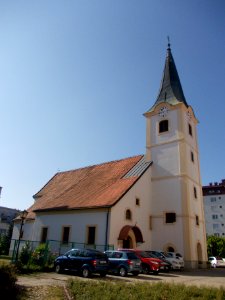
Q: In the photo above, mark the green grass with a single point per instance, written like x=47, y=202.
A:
x=88, y=290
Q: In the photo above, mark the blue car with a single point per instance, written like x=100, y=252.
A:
x=123, y=262
x=84, y=261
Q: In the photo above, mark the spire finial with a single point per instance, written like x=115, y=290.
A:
x=168, y=39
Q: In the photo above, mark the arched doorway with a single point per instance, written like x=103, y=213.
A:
x=170, y=249
x=129, y=237
x=128, y=243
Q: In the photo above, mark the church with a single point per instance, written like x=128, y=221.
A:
x=151, y=201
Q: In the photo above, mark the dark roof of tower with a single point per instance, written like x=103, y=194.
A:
x=170, y=89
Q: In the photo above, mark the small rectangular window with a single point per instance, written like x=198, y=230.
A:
x=91, y=235
x=192, y=156
x=213, y=199
x=190, y=129
x=197, y=220
x=195, y=193
x=44, y=234
x=170, y=217
x=214, y=217
x=66, y=233
x=137, y=201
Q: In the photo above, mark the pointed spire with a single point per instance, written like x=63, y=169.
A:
x=170, y=89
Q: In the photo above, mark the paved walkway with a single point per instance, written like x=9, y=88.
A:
x=212, y=277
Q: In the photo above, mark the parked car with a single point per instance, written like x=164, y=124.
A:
x=123, y=262
x=83, y=261
x=217, y=261
x=175, y=262
x=148, y=264
x=178, y=256
x=165, y=265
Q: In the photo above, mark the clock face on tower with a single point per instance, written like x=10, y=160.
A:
x=163, y=111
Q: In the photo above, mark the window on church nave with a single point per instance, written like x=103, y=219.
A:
x=170, y=217
x=128, y=214
x=65, y=235
x=163, y=126
x=44, y=234
x=91, y=235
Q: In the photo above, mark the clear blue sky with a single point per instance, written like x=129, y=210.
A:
x=76, y=77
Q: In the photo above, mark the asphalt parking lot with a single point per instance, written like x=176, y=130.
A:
x=209, y=277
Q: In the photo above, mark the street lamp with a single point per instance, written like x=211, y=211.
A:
x=23, y=216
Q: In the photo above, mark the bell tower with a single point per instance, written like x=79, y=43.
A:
x=177, y=215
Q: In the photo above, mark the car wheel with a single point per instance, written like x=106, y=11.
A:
x=58, y=268
x=145, y=269
x=135, y=273
x=155, y=272
x=103, y=274
x=122, y=272
x=86, y=272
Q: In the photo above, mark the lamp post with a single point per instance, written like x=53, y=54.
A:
x=23, y=216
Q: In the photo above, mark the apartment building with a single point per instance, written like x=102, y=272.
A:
x=214, y=208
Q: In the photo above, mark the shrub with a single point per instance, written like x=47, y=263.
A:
x=25, y=253
x=8, y=280
x=40, y=259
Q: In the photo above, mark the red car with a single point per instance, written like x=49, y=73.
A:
x=149, y=264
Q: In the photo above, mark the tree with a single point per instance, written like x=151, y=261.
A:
x=216, y=246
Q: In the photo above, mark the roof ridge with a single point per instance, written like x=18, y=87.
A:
x=100, y=164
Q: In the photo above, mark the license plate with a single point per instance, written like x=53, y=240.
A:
x=102, y=262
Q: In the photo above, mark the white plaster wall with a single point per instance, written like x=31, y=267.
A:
x=167, y=234
x=166, y=195
x=140, y=214
x=77, y=220
x=165, y=160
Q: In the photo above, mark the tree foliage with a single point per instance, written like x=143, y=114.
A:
x=216, y=246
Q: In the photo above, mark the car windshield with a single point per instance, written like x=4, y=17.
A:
x=144, y=254
x=152, y=255
x=98, y=255
x=178, y=255
x=167, y=255
x=131, y=255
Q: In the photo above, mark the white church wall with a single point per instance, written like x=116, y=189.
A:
x=76, y=220
x=140, y=213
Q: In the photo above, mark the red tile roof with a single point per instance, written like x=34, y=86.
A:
x=91, y=187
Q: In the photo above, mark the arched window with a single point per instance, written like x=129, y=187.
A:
x=128, y=214
x=163, y=126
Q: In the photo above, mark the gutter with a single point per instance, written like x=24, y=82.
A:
x=106, y=229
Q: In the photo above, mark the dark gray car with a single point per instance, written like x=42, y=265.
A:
x=123, y=262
